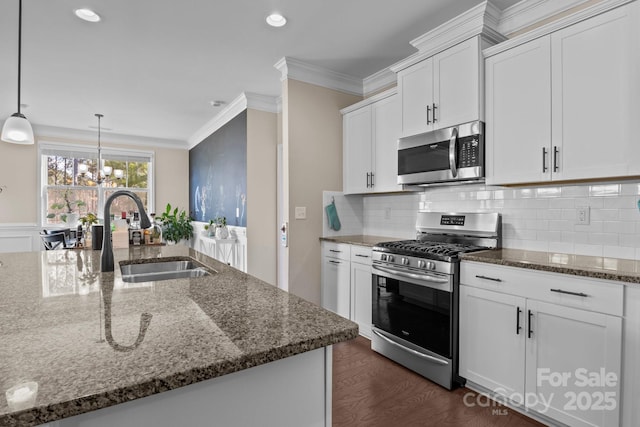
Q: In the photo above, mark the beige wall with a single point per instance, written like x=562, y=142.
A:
x=312, y=142
x=261, y=195
x=19, y=174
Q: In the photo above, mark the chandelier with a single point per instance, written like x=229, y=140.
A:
x=104, y=172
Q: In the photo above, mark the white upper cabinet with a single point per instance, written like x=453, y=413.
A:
x=370, y=145
x=518, y=128
x=443, y=90
x=562, y=106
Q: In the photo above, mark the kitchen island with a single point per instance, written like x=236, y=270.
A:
x=224, y=349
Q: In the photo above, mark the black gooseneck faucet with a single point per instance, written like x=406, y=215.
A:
x=106, y=261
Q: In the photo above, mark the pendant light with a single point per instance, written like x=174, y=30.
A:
x=17, y=129
x=100, y=170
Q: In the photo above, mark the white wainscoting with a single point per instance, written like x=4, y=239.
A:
x=20, y=237
x=232, y=251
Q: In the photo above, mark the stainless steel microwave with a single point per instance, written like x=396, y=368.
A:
x=443, y=156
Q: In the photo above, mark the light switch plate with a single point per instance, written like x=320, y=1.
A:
x=301, y=212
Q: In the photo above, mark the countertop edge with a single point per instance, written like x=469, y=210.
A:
x=555, y=268
x=85, y=404
x=359, y=239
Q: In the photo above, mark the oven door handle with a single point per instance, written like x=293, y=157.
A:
x=425, y=277
x=410, y=350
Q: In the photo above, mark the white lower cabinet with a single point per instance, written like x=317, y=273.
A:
x=346, y=282
x=336, y=280
x=545, y=342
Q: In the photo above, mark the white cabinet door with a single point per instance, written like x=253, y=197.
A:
x=572, y=344
x=456, y=84
x=595, y=96
x=361, y=297
x=518, y=110
x=415, y=85
x=492, y=340
x=386, y=130
x=357, y=134
x=336, y=291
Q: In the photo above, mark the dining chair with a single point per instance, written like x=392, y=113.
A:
x=54, y=241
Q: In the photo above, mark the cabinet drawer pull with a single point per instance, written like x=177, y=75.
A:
x=334, y=251
x=518, y=327
x=334, y=262
x=530, y=331
x=555, y=158
x=578, y=294
x=434, y=112
x=428, y=111
x=544, y=160
x=362, y=256
x=493, y=279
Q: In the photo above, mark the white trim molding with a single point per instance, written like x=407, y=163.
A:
x=382, y=79
x=19, y=237
x=295, y=69
x=528, y=12
x=480, y=20
x=586, y=13
x=377, y=97
x=235, y=107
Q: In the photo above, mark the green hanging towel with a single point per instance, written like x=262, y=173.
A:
x=332, y=216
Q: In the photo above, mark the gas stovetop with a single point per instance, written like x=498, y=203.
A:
x=427, y=249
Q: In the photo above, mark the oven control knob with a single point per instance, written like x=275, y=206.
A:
x=390, y=258
x=383, y=257
x=422, y=264
x=405, y=261
x=431, y=265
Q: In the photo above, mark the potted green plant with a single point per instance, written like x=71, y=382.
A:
x=65, y=208
x=176, y=225
x=221, y=227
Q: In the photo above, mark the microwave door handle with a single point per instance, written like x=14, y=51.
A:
x=453, y=150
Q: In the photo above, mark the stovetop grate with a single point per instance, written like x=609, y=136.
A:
x=422, y=248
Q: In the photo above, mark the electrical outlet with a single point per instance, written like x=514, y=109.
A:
x=582, y=215
x=301, y=212
x=387, y=213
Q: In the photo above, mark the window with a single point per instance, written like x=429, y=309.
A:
x=73, y=181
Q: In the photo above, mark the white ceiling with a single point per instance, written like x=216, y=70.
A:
x=152, y=66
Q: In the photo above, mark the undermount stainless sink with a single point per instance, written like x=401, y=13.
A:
x=162, y=270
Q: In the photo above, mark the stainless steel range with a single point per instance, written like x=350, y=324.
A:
x=415, y=291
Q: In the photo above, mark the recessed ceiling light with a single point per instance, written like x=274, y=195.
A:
x=87, y=15
x=276, y=20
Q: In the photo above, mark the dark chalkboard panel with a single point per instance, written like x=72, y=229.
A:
x=218, y=174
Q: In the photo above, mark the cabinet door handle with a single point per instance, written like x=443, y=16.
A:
x=367, y=179
x=334, y=262
x=578, y=294
x=555, y=158
x=518, y=327
x=372, y=180
x=362, y=256
x=428, y=111
x=544, y=160
x=493, y=279
x=530, y=331
x=334, y=251
x=434, y=112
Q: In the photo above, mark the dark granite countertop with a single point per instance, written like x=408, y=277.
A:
x=622, y=270
x=76, y=332
x=360, y=239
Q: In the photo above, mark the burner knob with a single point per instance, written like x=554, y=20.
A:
x=405, y=261
x=431, y=265
x=390, y=258
x=383, y=257
x=422, y=264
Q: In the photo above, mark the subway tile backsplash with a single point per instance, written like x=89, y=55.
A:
x=535, y=218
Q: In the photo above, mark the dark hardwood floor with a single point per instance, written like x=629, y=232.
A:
x=371, y=390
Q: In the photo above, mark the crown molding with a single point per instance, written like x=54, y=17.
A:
x=377, y=81
x=295, y=69
x=481, y=20
x=527, y=12
x=375, y=98
x=596, y=9
x=242, y=102
x=48, y=132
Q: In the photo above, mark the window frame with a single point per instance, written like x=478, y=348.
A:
x=42, y=180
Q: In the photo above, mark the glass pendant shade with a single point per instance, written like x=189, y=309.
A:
x=17, y=130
